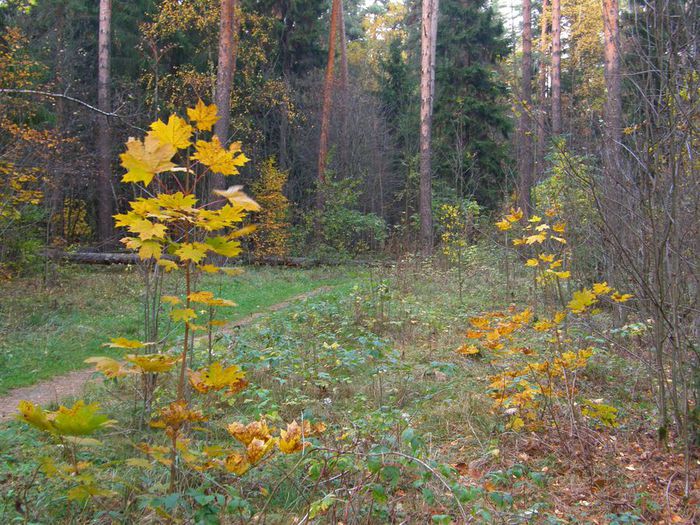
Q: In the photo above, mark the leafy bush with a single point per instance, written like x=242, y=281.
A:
x=340, y=229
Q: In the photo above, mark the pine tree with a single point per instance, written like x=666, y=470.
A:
x=470, y=107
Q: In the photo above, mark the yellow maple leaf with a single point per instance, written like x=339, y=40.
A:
x=223, y=246
x=152, y=363
x=150, y=248
x=216, y=377
x=534, y=218
x=559, y=227
x=504, y=225
x=182, y=314
x=205, y=116
x=515, y=215
x=548, y=258
x=538, y=238
x=123, y=342
x=581, y=300
x=111, y=368
x=519, y=242
x=562, y=275
x=209, y=268
x=147, y=229
x=167, y=264
x=246, y=433
x=79, y=420
x=176, y=132
x=601, y=288
x=218, y=159
x=143, y=159
x=257, y=449
x=559, y=239
x=236, y=464
x=468, y=350
x=621, y=298
x=34, y=415
x=555, y=264
x=532, y=262
x=192, y=251
x=480, y=322
x=171, y=299
x=238, y=199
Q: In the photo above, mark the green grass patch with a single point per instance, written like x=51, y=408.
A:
x=50, y=331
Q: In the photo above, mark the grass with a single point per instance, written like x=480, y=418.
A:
x=374, y=359
x=45, y=332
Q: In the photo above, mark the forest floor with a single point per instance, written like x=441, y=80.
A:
x=48, y=331
x=52, y=391
x=374, y=358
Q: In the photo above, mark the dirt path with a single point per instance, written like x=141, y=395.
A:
x=71, y=384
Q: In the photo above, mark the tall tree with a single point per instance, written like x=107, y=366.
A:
x=327, y=95
x=105, y=204
x=542, y=90
x=471, y=121
x=229, y=27
x=427, y=94
x=525, y=157
x=556, y=67
x=612, y=112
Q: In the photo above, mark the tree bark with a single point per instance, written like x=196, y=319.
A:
x=229, y=28
x=427, y=91
x=105, y=201
x=327, y=98
x=542, y=80
x=612, y=112
x=556, y=67
x=344, y=149
x=525, y=155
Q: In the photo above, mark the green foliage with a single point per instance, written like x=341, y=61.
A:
x=340, y=229
x=471, y=121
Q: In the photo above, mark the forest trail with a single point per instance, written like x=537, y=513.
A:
x=71, y=384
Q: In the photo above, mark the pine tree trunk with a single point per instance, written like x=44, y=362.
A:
x=556, y=67
x=525, y=154
x=283, y=159
x=542, y=81
x=427, y=92
x=105, y=200
x=229, y=27
x=612, y=112
x=327, y=98
x=344, y=152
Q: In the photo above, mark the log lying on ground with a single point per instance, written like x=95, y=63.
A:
x=132, y=258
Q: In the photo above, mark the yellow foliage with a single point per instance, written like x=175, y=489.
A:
x=152, y=363
x=271, y=238
x=203, y=115
x=217, y=377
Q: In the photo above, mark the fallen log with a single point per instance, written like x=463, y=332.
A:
x=132, y=258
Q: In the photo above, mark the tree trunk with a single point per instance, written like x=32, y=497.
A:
x=105, y=203
x=612, y=112
x=344, y=152
x=283, y=159
x=327, y=98
x=542, y=80
x=556, y=67
x=525, y=154
x=229, y=27
x=427, y=94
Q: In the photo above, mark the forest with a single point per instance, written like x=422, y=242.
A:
x=349, y=262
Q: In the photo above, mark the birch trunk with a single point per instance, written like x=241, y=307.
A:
x=105, y=201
